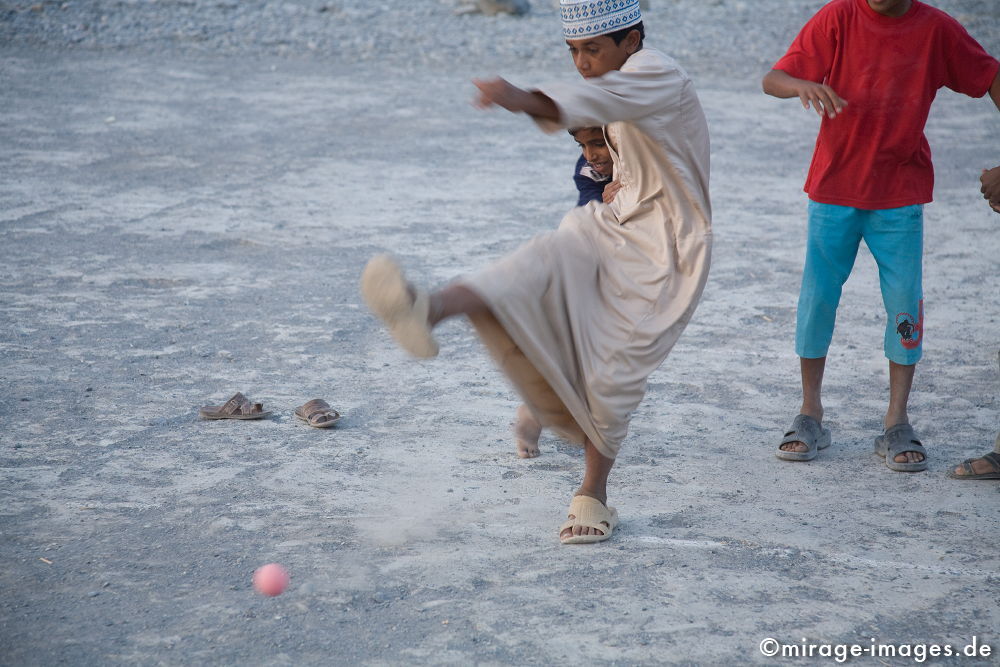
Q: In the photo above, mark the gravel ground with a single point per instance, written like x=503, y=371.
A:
x=722, y=35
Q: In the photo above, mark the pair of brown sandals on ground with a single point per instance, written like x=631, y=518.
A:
x=316, y=413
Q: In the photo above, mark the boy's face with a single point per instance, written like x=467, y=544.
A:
x=594, y=56
x=595, y=149
x=890, y=7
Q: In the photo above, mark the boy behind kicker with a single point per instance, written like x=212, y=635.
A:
x=594, y=168
x=871, y=69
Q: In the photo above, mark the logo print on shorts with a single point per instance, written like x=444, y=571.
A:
x=910, y=329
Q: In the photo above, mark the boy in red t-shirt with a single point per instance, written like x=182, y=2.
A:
x=870, y=69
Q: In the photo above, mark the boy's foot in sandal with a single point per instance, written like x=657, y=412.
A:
x=589, y=520
x=985, y=467
x=317, y=413
x=403, y=308
x=237, y=407
x=901, y=449
x=803, y=440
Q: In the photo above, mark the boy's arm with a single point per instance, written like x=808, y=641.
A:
x=651, y=85
x=991, y=177
x=501, y=93
x=820, y=96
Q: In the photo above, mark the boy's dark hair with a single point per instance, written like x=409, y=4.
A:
x=619, y=35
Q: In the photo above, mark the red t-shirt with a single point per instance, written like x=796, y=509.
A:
x=874, y=154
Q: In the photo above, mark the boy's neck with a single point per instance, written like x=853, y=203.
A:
x=891, y=8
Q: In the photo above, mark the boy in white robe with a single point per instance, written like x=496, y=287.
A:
x=579, y=317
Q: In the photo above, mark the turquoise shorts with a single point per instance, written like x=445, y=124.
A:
x=895, y=238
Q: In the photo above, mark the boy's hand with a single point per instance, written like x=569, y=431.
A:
x=991, y=187
x=501, y=93
x=610, y=190
x=820, y=96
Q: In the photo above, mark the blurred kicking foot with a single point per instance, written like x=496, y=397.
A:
x=403, y=308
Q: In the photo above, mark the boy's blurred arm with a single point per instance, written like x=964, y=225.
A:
x=501, y=93
x=820, y=96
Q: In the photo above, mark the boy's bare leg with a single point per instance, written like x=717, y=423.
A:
x=812, y=390
x=900, y=381
x=595, y=484
x=526, y=432
x=457, y=300
x=454, y=300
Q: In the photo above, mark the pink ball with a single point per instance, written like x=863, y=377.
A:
x=270, y=579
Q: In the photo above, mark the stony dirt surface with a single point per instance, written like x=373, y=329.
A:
x=181, y=221
x=740, y=36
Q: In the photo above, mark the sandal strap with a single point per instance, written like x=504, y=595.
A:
x=314, y=404
x=994, y=459
x=804, y=429
x=315, y=415
x=901, y=439
x=234, y=406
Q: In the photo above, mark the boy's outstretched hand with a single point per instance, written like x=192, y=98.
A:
x=991, y=187
x=500, y=92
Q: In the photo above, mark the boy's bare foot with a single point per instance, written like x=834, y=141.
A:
x=526, y=433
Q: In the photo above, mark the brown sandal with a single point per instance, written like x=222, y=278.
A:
x=237, y=407
x=317, y=413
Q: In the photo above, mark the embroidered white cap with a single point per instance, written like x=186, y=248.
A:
x=590, y=18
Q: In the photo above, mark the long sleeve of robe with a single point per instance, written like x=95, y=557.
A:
x=581, y=316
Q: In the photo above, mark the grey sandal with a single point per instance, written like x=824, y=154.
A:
x=808, y=431
x=897, y=440
x=994, y=460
